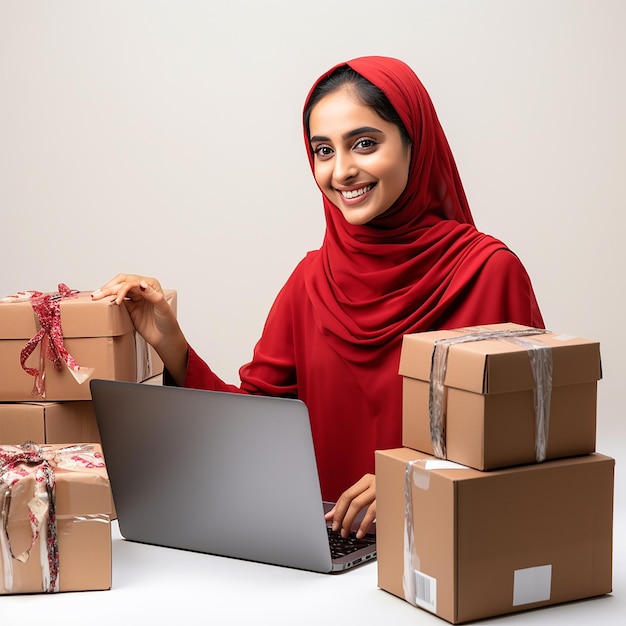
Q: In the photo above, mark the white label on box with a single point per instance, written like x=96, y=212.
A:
x=563, y=337
x=435, y=465
x=532, y=584
x=425, y=591
x=421, y=476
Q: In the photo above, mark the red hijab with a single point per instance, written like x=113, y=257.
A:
x=404, y=270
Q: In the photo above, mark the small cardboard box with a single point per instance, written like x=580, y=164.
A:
x=477, y=544
x=83, y=505
x=489, y=417
x=48, y=422
x=97, y=335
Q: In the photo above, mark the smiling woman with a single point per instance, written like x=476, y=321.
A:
x=400, y=254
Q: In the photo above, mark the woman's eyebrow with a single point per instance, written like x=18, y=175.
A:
x=349, y=134
x=360, y=131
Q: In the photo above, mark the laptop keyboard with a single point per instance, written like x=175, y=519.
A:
x=340, y=546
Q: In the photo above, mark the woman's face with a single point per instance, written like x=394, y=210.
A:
x=360, y=162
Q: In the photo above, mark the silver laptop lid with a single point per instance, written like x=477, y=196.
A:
x=222, y=473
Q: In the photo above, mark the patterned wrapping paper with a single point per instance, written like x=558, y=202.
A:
x=55, y=506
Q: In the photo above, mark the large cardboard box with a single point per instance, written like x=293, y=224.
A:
x=497, y=402
x=477, y=544
x=83, y=527
x=48, y=422
x=99, y=337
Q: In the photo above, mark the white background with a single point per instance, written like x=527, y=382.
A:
x=164, y=137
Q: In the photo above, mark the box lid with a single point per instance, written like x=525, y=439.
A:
x=80, y=317
x=425, y=464
x=499, y=365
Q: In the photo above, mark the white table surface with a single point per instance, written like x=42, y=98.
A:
x=153, y=585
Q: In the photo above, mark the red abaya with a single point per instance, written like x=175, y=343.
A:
x=333, y=335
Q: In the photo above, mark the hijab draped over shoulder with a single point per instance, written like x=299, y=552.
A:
x=408, y=268
x=333, y=335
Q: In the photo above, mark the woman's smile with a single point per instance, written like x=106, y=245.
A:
x=356, y=195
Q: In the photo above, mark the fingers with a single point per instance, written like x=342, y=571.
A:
x=111, y=287
x=131, y=287
x=362, y=494
x=368, y=519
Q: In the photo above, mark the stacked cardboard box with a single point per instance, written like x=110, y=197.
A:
x=498, y=502
x=48, y=422
x=67, y=551
x=100, y=339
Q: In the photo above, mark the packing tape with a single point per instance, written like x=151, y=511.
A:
x=411, y=559
x=419, y=588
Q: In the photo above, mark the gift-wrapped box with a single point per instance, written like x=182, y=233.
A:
x=55, y=529
x=499, y=395
x=51, y=344
x=466, y=544
x=48, y=422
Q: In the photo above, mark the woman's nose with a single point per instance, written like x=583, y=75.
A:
x=345, y=166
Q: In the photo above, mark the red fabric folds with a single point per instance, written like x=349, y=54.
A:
x=407, y=269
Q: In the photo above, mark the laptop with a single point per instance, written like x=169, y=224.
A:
x=222, y=473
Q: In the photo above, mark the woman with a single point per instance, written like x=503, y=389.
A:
x=400, y=254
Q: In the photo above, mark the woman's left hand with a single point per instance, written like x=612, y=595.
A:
x=362, y=494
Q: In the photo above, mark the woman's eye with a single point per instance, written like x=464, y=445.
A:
x=322, y=151
x=365, y=144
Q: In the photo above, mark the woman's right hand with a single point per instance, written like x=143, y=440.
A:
x=152, y=317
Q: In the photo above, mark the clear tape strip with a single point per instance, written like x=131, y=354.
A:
x=408, y=579
x=541, y=366
x=5, y=547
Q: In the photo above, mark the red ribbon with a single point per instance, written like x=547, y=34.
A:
x=47, y=307
x=30, y=454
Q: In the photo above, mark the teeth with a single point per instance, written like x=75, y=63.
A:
x=356, y=192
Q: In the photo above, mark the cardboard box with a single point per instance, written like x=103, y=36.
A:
x=478, y=544
x=83, y=501
x=52, y=422
x=48, y=422
x=98, y=337
x=488, y=416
